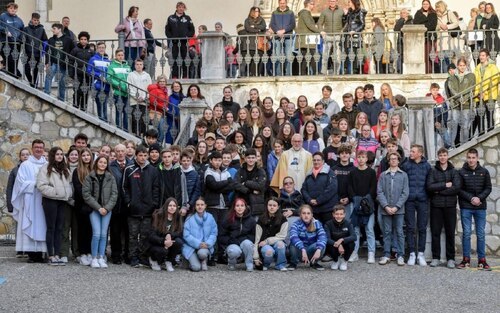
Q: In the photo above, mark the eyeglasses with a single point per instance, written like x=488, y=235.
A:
x=288, y=183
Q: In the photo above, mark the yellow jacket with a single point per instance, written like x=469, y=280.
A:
x=486, y=84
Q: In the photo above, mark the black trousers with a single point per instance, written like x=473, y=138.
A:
x=10, y=64
x=27, y=71
x=179, y=70
x=160, y=254
x=81, y=96
x=139, y=228
x=219, y=216
x=334, y=252
x=84, y=233
x=479, y=123
x=138, y=125
x=54, y=217
x=446, y=217
x=118, y=231
x=323, y=217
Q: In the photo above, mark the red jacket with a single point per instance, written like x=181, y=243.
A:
x=160, y=95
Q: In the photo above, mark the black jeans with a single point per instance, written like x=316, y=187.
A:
x=323, y=217
x=10, y=64
x=334, y=252
x=139, y=228
x=81, y=96
x=160, y=254
x=179, y=70
x=138, y=125
x=119, y=234
x=54, y=217
x=446, y=217
x=219, y=216
x=84, y=232
x=27, y=71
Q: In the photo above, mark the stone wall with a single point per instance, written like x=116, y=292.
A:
x=25, y=117
x=489, y=155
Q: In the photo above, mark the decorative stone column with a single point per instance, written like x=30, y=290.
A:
x=421, y=124
x=213, y=65
x=190, y=111
x=414, y=49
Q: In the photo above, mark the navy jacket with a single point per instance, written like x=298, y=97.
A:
x=417, y=176
x=323, y=188
x=372, y=109
x=283, y=20
x=475, y=183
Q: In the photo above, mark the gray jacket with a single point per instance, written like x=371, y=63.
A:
x=393, y=190
x=91, y=191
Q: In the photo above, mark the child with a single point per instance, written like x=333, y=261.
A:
x=331, y=152
x=440, y=115
x=340, y=238
x=224, y=130
x=190, y=184
x=201, y=131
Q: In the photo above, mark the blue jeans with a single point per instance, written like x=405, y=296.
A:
x=124, y=120
x=234, y=252
x=296, y=254
x=99, y=233
x=197, y=257
x=283, y=49
x=394, y=232
x=421, y=208
x=54, y=68
x=275, y=252
x=480, y=221
x=102, y=106
x=393, y=224
x=370, y=235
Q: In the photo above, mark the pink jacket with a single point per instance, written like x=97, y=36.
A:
x=136, y=33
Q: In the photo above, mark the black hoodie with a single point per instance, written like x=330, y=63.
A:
x=57, y=44
x=37, y=32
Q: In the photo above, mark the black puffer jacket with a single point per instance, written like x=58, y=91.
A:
x=475, y=183
x=141, y=189
x=82, y=56
x=33, y=46
x=291, y=201
x=354, y=21
x=442, y=197
x=235, y=232
x=251, y=185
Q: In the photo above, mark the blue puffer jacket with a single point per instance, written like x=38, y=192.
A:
x=99, y=67
x=198, y=229
x=417, y=177
x=301, y=238
x=323, y=188
x=272, y=163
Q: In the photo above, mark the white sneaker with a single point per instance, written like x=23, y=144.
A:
x=264, y=268
x=343, y=264
x=64, y=259
x=401, y=261
x=84, y=260
x=411, y=259
x=354, y=257
x=371, y=257
x=334, y=266
x=204, y=266
x=421, y=259
x=154, y=265
x=102, y=262
x=95, y=263
x=384, y=260
x=169, y=266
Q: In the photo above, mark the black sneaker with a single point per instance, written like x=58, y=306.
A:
x=464, y=264
x=211, y=262
x=134, y=262
x=292, y=267
x=317, y=267
x=116, y=261
x=394, y=256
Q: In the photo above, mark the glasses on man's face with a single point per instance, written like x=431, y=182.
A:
x=288, y=183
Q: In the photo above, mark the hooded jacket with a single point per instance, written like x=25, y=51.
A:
x=251, y=186
x=485, y=77
x=55, y=187
x=98, y=67
x=82, y=57
x=141, y=189
x=37, y=32
x=301, y=238
x=117, y=172
x=15, y=25
x=56, y=46
x=474, y=183
x=323, y=188
x=170, y=183
x=237, y=231
x=158, y=98
x=179, y=27
x=218, y=185
x=291, y=201
x=441, y=196
x=337, y=230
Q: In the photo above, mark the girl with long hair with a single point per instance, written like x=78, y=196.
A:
x=254, y=99
x=427, y=16
x=268, y=115
x=386, y=96
x=228, y=116
x=242, y=117
x=279, y=120
x=312, y=142
x=381, y=123
x=359, y=95
x=285, y=134
x=361, y=119
x=255, y=122
x=397, y=130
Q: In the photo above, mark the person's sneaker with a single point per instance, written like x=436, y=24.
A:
x=134, y=262
x=401, y=261
x=371, y=258
x=19, y=255
x=59, y=261
x=384, y=260
x=264, y=268
x=412, y=259
x=326, y=258
x=169, y=266
x=283, y=269
x=343, y=264
x=421, y=259
x=231, y=267
x=464, y=264
x=317, y=266
x=102, y=263
x=451, y=264
x=95, y=263
x=53, y=261
x=334, y=266
x=154, y=265
x=204, y=265
x=211, y=262
x=249, y=269
x=64, y=259
x=482, y=265
x=354, y=257
x=291, y=267
x=435, y=263
x=84, y=260
x=394, y=256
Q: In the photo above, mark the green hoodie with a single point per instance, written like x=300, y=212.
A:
x=117, y=77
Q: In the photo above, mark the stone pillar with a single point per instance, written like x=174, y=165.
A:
x=421, y=124
x=414, y=49
x=41, y=8
x=213, y=65
x=192, y=111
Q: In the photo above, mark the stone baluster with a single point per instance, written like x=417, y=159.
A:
x=414, y=49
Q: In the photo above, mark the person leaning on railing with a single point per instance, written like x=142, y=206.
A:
x=117, y=74
x=489, y=23
x=447, y=32
x=82, y=54
x=331, y=23
x=97, y=69
x=354, y=17
x=35, y=39
x=134, y=35
x=10, y=26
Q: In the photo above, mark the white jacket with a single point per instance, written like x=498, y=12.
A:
x=138, y=85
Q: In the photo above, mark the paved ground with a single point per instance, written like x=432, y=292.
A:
x=363, y=288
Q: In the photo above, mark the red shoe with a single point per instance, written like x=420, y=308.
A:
x=464, y=264
x=482, y=265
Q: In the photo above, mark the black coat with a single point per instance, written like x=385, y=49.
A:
x=442, y=197
x=117, y=172
x=170, y=184
x=235, y=232
x=335, y=231
x=214, y=188
x=429, y=21
x=251, y=186
x=291, y=201
x=179, y=27
x=33, y=46
x=141, y=189
x=475, y=183
x=65, y=44
x=82, y=56
x=232, y=106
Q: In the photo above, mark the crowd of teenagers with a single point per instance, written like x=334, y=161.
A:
x=266, y=187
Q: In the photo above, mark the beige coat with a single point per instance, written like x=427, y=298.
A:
x=55, y=186
x=444, y=40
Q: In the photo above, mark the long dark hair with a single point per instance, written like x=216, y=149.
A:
x=160, y=218
x=265, y=218
x=61, y=167
x=315, y=135
x=431, y=9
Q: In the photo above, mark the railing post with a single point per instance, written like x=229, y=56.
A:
x=213, y=55
x=189, y=108
x=421, y=124
x=121, y=35
x=414, y=49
